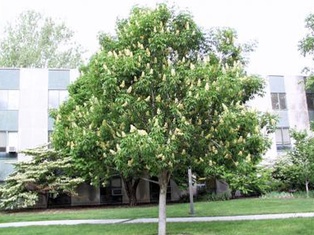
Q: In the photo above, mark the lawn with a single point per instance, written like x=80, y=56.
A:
x=278, y=227
x=233, y=207
x=219, y=208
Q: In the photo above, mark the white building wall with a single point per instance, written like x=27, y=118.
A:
x=263, y=104
x=296, y=103
x=298, y=115
x=74, y=74
x=33, y=109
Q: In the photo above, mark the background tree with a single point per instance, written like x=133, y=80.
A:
x=40, y=42
x=306, y=47
x=153, y=100
x=298, y=166
x=48, y=172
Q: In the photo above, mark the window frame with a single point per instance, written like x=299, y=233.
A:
x=284, y=143
x=11, y=99
x=11, y=139
x=58, y=99
x=280, y=99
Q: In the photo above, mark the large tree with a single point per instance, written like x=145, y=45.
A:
x=40, y=42
x=306, y=47
x=158, y=97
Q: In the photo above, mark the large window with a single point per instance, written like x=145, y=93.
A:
x=8, y=141
x=3, y=141
x=310, y=101
x=283, y=138
x=278, y=101
x=57, y=97
x=9, y=99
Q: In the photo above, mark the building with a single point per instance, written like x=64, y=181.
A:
x=25, y=98
x=286, y=97
x=26, y=95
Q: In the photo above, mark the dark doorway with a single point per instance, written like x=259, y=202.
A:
x=62, y=200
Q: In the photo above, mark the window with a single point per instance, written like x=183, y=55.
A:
x=12, y=138
x=310, y=101
x=57, y=97
x=116, y=182
x=8, y=139
x=278, y=101
x=49, y=139
x=283, y=138
x=3, y=141
x=9, y=99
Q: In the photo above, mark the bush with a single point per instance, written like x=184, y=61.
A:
x=302, y=194
x=215, y=196
x=272, y=195
x=287, y=195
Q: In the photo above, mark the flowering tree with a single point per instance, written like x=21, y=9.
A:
x=48, y=172
x=158, y=97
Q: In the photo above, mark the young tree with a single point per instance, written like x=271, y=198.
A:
x=40, y=42
x=157, y=98
x=47, y=172
x=299, y=162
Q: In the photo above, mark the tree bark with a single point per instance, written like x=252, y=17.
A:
x=130, y=186
x=163, y=184
x=307, y=188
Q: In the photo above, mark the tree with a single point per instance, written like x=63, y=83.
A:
x=40, y=42
x=306, y=47
x=298, y=166
x=156, y=98
x=48, y=172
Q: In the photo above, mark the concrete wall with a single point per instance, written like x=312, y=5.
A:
x=32, y=114
x=295, y=116
x=33, y=111
x=263, y=104
x=86, y=195
x=296, y=102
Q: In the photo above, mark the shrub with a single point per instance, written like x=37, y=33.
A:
x=215, y=196
x=272, y=195
x=296, y=194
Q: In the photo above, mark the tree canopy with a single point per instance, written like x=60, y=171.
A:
x=158, y=97
x=39, y=42
x=306, y=47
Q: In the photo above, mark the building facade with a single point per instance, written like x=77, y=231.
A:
x=286, y=97
x=26, y=95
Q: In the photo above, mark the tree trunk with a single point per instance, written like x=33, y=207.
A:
x=130, y=186
x=163, y=184
x=307, y=188
x=46, y=196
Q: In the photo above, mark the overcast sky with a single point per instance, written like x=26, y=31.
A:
x=277, y=25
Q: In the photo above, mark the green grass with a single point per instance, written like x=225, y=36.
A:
x=217, y=208
x=278, y=227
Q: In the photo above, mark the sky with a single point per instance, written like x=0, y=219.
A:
x=276, y=25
